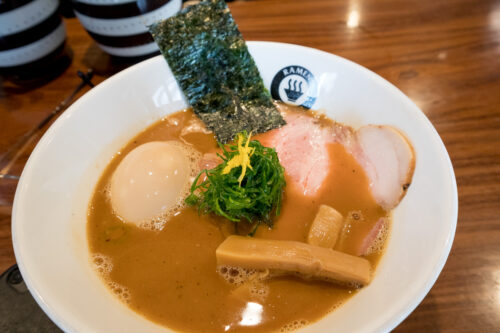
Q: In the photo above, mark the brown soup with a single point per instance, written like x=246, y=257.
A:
x=170, y=276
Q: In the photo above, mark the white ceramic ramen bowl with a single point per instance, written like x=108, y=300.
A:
x=50, y=209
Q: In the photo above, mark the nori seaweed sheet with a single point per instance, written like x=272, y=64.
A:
x=211, y=63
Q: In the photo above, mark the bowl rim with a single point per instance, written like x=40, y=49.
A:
x=388, y=324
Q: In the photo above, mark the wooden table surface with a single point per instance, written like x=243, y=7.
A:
x=443, y=54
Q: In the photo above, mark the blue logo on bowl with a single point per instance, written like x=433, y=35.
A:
x=295, y=85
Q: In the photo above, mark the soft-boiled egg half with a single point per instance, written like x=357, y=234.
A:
x=151, y=180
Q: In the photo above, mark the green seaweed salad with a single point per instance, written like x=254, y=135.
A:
x=247, y=185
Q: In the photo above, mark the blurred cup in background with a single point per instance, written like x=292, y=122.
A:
x=32, y=38
x=119, y=27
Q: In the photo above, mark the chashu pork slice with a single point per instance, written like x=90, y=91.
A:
x=302, y=149
x=384, y=153
x=293, y=257
x=375, y=238
x=388, y=160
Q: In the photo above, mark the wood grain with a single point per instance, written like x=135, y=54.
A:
x=443, y=54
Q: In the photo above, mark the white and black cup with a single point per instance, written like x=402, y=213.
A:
x=120, y=27
x=32, y=38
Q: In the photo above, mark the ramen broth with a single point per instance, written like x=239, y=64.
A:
x=169, y=276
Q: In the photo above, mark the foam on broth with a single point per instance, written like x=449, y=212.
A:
x=170, y=275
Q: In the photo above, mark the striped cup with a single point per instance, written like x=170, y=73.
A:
x=32, y=36
x=120, y=26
